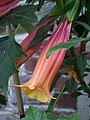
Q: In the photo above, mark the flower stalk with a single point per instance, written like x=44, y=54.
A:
x=19, y=96
x=16, y=81
x=54, y=101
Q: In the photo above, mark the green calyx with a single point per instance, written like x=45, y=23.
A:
x=71, y=13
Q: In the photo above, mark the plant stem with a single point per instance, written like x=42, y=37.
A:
x=54, y=101
x=17, y=82
x=18, y=95
x=83, y=44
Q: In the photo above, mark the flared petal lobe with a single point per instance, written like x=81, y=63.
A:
x=38, y=87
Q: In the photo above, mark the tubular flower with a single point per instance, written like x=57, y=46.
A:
x=38, y=87
x=6, y=6
x=26, y=42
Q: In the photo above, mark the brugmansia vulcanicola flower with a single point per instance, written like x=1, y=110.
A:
x=6, y=6
x=26, y=42
x=38, y=87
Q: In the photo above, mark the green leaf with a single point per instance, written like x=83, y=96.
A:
x=17, y=29
x=70, y=84
x=52, y=116
x=87, y=5
x=85, y=25
x=69, y=5
x=54, y=11
x=87, y=17
x=21, y=15
x=40, y=35
x=35, y=114
x=67, y=62
x=2, y=100
x=69, y=117
x=67, y=45
x=75, y=94
x=78, y=28
x=28, y=27
x=9, y=51
x=81, y=61
x=71, y=13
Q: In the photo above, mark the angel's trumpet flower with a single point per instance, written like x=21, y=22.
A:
x=6, y=6
x=38, y=87
x=26, y=42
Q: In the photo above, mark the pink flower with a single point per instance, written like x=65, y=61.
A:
x=38, y=87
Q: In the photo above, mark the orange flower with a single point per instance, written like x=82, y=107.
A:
x=38, y=87
x=6, y=6
x=26, y=42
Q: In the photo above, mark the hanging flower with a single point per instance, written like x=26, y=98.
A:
x=6, y=6
x=38, y=87
x=26, y=42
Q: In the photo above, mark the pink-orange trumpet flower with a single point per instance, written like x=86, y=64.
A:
x=6, y=6
x=26, y=42
x=38, y=87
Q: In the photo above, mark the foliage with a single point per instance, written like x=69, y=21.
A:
x=35, y=114
x=2, y=100
x=9, y=51
x=24, y=17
